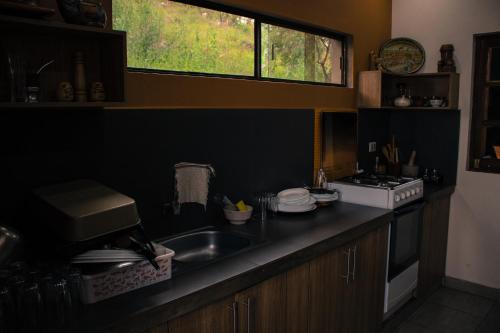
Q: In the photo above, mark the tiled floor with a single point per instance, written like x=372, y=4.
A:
x=453, y=311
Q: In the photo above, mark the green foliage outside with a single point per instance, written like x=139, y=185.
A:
x=172, y=36
x=167, y=35
x=294, y=55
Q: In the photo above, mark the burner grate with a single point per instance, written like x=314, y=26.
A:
x=382, y=181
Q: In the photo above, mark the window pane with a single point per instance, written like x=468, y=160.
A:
x=295, y=55
x=494, y=103
x=495, y=64
x=492, y=140
x=167, y=35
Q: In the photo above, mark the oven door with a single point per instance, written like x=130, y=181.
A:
x=404, y=243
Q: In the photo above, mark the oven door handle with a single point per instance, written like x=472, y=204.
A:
x=407, y=209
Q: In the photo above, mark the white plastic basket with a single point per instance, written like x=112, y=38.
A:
x=98, y=287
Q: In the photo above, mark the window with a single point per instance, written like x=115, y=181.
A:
x=485, y=127
x=295, y=55
x=167, y=35
x=203, y=38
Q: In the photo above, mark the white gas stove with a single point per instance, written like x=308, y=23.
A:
x=404, y=197
x=379, y=190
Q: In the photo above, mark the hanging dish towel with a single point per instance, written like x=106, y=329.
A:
x=191, y=184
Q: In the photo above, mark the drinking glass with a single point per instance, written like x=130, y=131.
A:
x=7, y=310
x=56, y=305
x=29, y=307
x=73, y=277
x=273, y=202
x=266, y=202
x=263, y=208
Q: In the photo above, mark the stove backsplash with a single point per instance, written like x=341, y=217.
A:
x=133, y=151
x=433, y=134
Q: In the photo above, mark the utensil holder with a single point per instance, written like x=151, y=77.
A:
x=410, y=170
x=394, y=169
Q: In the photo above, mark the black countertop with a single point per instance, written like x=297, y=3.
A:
x=433, y=192
x=288, y=241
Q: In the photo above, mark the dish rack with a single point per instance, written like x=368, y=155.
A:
x=101, y=286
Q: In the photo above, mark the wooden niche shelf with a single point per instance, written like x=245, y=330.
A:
x=377, y=89
x=29, y=43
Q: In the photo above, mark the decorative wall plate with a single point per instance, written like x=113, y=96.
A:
x=402, y=56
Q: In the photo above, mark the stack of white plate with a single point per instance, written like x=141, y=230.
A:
x=325, y=198
x=296, y=200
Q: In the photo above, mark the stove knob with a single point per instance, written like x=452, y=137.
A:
x=397, y=198
x=408, y=194
x=403, y=195
x=412, y=191
x=417, y=190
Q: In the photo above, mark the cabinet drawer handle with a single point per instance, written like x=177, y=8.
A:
x=249, y=304
x=354, y=250
x=347, y=275
x=234, y=309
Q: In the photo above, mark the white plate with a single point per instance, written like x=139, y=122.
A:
x=306, y=202
x=96, y=256
x=296, y=209
x=325, y=200
x=322, y=196
x=293, y=195
x=302, y=201
x=103, y=261
x=325, y=197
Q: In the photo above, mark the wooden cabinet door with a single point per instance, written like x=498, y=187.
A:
x=262, y=308
x=326, y=285
x=434, y=243
x=219, y=317
x=340, y=291
x=297, y=299
x=364, y=297
x=354, y=303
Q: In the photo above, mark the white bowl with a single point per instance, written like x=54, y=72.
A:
x=435, y=103
x=238, y=217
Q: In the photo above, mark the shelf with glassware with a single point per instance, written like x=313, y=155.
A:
x=51, y=64
x=425, y=91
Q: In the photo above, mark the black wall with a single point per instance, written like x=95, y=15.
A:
x=433, y=134
x=133, y=151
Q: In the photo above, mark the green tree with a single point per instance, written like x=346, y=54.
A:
x=168, y=35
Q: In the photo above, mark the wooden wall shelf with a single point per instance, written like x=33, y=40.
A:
x=377, y=89
x=60, y=105
x=417, y=108
x=35, y=41
x=21, y=9
x=29, y=24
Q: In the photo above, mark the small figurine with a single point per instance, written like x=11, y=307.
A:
x=403, y=100
x=97, y=93
x=447, y=64
x=65, y=92
x=374, y=62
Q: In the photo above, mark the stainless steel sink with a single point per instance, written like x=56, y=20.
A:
x=206, y=246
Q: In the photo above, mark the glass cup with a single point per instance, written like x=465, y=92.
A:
x=7, y=310
x=57, y=305
x=266, y=202
x=29, y=307
x=73, y=277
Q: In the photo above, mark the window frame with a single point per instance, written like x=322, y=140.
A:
x=260, y=19
x=479, y=123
